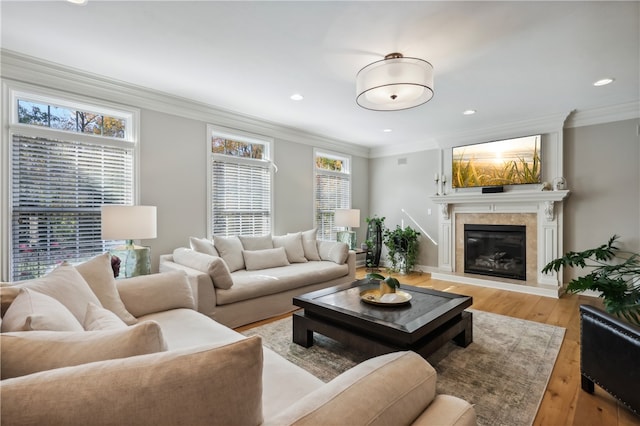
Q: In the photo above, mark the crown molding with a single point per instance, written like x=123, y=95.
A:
x=35, y=71
x=607, y=114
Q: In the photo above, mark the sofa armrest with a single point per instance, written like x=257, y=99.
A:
x=609, y=353
x=390, y=389
x=202, y=286
x=147, y=294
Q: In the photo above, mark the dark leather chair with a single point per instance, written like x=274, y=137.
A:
x=610, y=356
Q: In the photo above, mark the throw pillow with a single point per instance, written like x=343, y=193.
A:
x=98, y=318
x=263, y=242
x=292, y=244
x=148, y=294
x=66, y=285
x=263, y=259
x=230, y=249
x=98, y=274
x=194, y=386
x=35, y=311
x=29, y=352
x=8, y=293
x=203, y=245
x=214, y=266
x=310, y=244
x=334, y=251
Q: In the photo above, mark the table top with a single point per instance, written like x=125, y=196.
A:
x=427, y=310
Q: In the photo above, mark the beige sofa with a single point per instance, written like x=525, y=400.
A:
x=80, y=348
x=240, y=280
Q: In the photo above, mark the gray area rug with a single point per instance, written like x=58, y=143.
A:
x=504, y=372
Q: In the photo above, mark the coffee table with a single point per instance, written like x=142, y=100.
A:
x=427, y=322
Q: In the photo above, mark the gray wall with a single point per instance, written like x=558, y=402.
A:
x=602, y=168
x=173, y=177
x=406, y=182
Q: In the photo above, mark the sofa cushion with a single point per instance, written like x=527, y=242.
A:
x=98, y=273
x=66, y=285
x=98, y=318
x=264, y=259
x=292, y=243
x=310, y=244
x=203, y=245
x=29, y=352
x=214, y=266
x=191, y=387
x=398, y=386
x=230, y=249
x=35, y=311
x=253, y=284
x=146, y=294
x=262, y=242
x=336, y=252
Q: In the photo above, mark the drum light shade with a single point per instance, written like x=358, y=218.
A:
x=394, y=83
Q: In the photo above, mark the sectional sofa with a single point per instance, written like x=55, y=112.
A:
x=240, y=280
x=79, y=348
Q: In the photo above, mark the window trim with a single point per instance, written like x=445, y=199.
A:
x=11, y=92
x=240, y=136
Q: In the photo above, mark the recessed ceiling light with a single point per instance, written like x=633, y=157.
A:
x=603, y=82
x=469, y=112
x=297, y=97
x=388, y=130
x=79, y=2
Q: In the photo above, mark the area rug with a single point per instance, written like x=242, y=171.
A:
x=504, y=372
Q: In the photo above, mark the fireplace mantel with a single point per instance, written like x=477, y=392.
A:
x=546, y=205
x=511, y=197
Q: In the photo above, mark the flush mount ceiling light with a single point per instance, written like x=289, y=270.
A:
x=394, y=83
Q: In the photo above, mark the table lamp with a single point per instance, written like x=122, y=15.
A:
x=130, y=223
x=347, y=218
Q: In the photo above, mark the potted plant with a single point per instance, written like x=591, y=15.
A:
x=614, y=273
x=402, y=246
x=387, y=285
x=375, y=230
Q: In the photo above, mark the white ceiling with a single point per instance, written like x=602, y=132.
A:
x=510, y=61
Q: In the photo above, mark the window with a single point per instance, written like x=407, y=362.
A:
x=332, y=191
x=67, y=159
x=240, y=183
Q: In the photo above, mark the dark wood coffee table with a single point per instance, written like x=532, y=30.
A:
x=431, y=319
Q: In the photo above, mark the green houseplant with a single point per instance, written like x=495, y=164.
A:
x=614, y=273
x=402, y=247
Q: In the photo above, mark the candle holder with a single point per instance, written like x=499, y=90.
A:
x=444, y=186
x=436, y=180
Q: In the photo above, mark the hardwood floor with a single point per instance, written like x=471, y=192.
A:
x=564, y=402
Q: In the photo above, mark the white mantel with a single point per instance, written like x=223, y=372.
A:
x=546, y=205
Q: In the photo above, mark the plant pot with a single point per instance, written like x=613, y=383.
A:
x=386, y=288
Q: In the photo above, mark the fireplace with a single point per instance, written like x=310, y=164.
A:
x=495, y=250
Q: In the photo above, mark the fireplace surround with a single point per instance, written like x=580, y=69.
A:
x=541, y=213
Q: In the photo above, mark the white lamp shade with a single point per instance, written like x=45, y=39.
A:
x=394, y=84
x=347, y=217
x=128, y=222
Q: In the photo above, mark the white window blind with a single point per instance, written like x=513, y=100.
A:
x=241, y=196
x=332, y=191
x=57, y=189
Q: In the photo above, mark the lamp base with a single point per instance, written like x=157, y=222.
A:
x=134, y=260
x=348, y=237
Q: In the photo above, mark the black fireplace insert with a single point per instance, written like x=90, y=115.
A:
x=495, y=250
